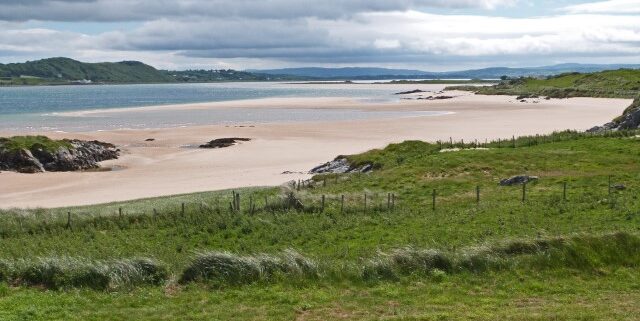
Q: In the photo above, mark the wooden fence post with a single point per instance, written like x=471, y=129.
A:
x=342, y=204
x=365, y=203
x=120, y=212
x=393, y=201
x=564, y=191
x=524, y=192
x=388, y=201
x=433, y=201
x=182, y=210
x=68, y=220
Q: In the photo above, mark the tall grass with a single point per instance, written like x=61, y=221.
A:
x=582, y=252
x=228, y=268
x=588, y=253
x=68, y=272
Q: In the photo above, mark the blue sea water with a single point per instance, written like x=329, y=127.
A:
x=38, y=108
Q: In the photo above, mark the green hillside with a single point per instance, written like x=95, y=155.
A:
x=66, y=70
x=54, y=71
x=481, y=252
x=622, y=83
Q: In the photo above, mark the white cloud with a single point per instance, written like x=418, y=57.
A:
x=611, y=6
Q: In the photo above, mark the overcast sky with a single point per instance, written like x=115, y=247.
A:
x=241, y=34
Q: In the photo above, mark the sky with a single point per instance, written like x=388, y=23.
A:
x=433, y=35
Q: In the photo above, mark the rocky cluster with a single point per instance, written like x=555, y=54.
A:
x=76, y=155
x=224, y=142
x=630, y=119
x=517, y=180
x=340, y=165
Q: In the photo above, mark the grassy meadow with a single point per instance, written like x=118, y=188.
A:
x=354, y=246
x=623, y=83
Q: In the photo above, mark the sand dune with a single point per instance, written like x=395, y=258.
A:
x=166, y=166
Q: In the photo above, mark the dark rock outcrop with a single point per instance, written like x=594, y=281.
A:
x=415, y=91
x=630, y=119
x=340, y=165
x=79, y=155
x=224, y=142
x=517, y=180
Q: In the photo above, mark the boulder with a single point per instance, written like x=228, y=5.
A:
x=517, y=180
x=340, y=165
x=415, y=91
x=224, y=142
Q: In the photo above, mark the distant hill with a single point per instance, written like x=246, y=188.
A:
x=485, y=73
x=347, y=72
x=66, y=70
x=54, y=71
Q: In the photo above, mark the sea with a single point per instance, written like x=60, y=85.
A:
x=56, y=108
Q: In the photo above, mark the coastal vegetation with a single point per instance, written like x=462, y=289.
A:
x=622, y=83
x=428, y=233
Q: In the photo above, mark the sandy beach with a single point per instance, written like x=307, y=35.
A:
x=171, y=165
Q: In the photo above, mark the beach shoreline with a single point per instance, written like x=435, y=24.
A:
x=169, y=165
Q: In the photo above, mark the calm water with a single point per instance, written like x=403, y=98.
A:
x=36, y=108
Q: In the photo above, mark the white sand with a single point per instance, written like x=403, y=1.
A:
x=163, y=167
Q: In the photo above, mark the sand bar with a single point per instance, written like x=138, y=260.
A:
x=165, y=166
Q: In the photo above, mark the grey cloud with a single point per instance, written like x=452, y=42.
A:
x=146, y=10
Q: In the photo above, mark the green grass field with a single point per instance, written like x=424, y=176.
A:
x=553, y=256
x=623, y=83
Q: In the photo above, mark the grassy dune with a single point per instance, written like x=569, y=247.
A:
x=623, y=83
x=555, y=255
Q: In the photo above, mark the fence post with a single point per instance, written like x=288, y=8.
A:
x=68, y=220
x=478, y=194
x=342, y=204
x=238, y=202
x=324, y=182
x=182, y=210
x=365, y=203
x=513, y=140
x=393, y=201
x=155, y=215
x=524, y=192
x=564, y=191
x=433, y=202
x=120, y=212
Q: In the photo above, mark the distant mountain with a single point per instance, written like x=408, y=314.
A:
x=485, y=73
x=317, y=72
x=53, y=71
x=69, y=70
